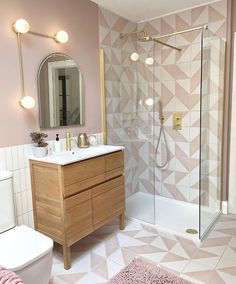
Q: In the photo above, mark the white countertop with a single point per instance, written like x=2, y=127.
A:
x=78, y=154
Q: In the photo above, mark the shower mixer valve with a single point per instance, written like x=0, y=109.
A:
x=177, y=121
x=162, y=118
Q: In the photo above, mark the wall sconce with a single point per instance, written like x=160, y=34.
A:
x=61, y=37
x=21, y=26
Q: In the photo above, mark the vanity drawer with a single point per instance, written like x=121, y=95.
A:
x=79, y=176
x=114, y=164
x=78, y=216
x=73, y=201
x=107, y=205
x=108, y=185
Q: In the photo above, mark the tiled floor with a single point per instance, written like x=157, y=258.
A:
x=98, y=257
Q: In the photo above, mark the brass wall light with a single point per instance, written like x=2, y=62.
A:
x=21, y=26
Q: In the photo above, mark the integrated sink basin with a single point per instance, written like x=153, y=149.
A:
x=78, y=154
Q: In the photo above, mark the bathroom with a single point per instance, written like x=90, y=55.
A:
x=90, y=28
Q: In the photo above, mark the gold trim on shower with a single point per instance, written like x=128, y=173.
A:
x=138, y=32
x=143, y=36
x=220, y=194
x=103, y=95
x=205, y=27
x=149, y=38
x=166, y=44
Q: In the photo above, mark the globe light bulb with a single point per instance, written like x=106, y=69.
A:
x=61, y=37
x=149, y=102
x=149, y=60
x=134, y=56
x=27, y=102
x=21, y=26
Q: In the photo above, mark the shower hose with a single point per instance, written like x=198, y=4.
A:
x=162, y=132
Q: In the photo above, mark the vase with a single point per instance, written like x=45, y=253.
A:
x=40, y=152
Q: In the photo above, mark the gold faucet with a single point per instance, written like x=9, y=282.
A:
x=68, y=141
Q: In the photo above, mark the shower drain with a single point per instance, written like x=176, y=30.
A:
x=191, y=231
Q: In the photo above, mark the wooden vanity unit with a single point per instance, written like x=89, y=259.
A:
x=71, y=201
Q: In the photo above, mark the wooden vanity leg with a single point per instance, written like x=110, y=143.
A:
x=122, y=221
x=66, y=256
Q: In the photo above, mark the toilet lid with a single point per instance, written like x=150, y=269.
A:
x=21, y=246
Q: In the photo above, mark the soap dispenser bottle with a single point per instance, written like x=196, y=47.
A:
x=57, y=144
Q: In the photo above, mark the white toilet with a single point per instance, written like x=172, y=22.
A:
x=23, y=250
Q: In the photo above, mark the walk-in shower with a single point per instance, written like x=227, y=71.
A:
x=173, y=175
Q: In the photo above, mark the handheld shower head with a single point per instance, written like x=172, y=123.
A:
x=161, y=117
x=162, y=134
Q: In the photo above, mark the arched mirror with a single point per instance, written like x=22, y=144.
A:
x=61, y=92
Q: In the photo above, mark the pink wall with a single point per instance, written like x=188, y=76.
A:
x=80, y=19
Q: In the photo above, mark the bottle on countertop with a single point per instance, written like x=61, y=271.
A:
x=57, y=144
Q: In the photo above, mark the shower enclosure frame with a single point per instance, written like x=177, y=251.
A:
x=211, y=224
x=102, y=72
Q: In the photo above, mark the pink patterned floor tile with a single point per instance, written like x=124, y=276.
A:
x=227, y=265
x=191, y=279
x=175, y=266
x=209, y=259
x=102, y=254
x=184, y=248
x=123, y=256
x=230, y=253
x=163, y=243
x=67, y=278
x=217, y=251
x=197, y=271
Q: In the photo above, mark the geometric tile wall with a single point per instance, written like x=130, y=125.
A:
x=120, y=89
x=16, y=160
x=173, y=79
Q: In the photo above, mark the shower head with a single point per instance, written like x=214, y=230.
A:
x=137, y=33
x=145, y=39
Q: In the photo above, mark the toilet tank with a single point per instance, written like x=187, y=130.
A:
x=7, y=212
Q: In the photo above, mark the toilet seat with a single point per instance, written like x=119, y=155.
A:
x=21, y=246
